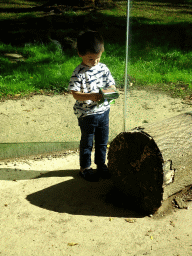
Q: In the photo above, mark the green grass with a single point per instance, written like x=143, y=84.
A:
x=160, y=46
x=44, y=68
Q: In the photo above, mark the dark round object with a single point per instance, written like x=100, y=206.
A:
x=136, y=166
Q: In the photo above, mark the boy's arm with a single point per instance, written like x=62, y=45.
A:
x=86, y=96
x=112, y=87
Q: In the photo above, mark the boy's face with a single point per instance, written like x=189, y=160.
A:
x=91, y=59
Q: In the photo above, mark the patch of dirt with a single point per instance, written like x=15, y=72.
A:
x=48, y=209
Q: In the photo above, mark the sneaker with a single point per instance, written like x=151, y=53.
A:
x=89, y=175
x=103, y=171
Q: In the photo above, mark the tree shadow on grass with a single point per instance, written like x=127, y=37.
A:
x=144, y=36
x=76, y=196
x=169, y=2
x=61, y=27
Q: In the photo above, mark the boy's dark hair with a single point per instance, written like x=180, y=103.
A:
x=90, y=42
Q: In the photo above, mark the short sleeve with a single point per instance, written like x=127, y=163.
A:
x=75, y=83
x=110, y=79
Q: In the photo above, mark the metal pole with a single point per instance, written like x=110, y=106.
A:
x=126, y=67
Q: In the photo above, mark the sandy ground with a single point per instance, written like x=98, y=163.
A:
x=47, y=209
x=44, y=118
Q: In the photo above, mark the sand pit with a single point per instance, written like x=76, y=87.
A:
x=47, y=209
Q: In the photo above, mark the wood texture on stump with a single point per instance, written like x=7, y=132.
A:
x=140, y=160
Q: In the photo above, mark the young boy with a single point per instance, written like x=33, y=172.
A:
x=93, y=118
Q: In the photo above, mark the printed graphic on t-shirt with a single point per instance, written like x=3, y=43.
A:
x=89, y=80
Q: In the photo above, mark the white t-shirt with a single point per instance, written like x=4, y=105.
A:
x=88, y=80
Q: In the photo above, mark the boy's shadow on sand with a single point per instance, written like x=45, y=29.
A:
x=76, y=196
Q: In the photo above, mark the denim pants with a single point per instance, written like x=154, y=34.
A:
x=94, y=126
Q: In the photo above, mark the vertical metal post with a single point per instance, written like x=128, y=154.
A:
x=126, y=67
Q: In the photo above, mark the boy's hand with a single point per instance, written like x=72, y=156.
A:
x=97, y=96
x=112, y=87
x=87, y=96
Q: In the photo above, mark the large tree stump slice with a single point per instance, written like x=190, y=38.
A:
x=153, y=162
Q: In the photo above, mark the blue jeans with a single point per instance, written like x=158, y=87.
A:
x=94, y=126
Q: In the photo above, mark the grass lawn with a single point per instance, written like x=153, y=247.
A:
x=160, y=45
